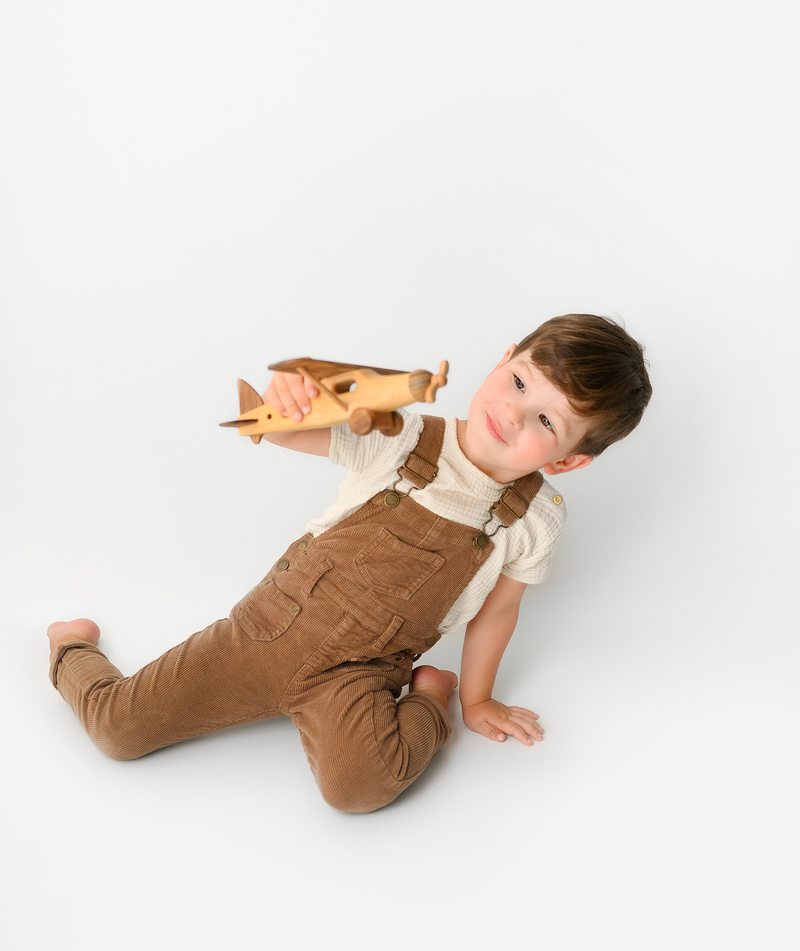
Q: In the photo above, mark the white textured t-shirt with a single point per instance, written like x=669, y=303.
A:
x=461, y=493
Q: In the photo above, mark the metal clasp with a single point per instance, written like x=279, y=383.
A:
x=424, y=478
x=394, y=496
x=503, y=501
x=482, y=540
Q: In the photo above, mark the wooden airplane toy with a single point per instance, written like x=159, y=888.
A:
x=365, y=397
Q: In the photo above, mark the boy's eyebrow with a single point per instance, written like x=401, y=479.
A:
x=563, y=420
x=564, y=423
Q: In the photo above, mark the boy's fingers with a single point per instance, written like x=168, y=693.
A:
x=528, y=722
x=280, y=398
x=302, y=392
x=517, y=733
x=494, y=731
x=289, y=395
x=526, y=718
x=526, y=729
x=534, y=730
x=524, y=736
x=508, y=727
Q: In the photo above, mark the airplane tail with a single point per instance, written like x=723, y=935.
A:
x=248, y=400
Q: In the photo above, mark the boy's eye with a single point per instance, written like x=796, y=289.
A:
x=520, y=385
x=545, y=421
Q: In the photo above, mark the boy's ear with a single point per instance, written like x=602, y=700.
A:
x=567, y=464
x=507, y=356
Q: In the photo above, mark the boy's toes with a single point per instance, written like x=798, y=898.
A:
x=440, y=683
x=81, y=629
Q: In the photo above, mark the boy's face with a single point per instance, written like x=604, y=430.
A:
x=519, y=422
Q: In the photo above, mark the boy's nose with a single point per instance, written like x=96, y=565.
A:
x=513, y=415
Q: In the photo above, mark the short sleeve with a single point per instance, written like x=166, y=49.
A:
x=538, y=535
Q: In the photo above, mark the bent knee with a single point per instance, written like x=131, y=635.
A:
x=121, y=755
x=354, y=803
x=119, y=748
x=355, y=794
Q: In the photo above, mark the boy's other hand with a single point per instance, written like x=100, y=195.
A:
x=291, y=394
x=497, y=721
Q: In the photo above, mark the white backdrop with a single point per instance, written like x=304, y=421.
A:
x=192, y=190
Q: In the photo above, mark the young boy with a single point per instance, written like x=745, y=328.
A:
x=442, y=525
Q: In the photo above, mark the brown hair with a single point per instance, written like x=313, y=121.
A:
x=601, y=370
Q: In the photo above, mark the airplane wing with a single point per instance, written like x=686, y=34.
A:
x=324, y=368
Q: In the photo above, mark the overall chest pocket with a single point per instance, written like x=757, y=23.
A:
x=394, y=568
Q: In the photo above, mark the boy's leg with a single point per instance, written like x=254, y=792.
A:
x=214, y=679
x=365, y=747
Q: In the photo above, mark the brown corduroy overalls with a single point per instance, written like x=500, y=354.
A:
x=328, y=638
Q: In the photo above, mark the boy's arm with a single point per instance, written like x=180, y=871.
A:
x=290, y=394
x=487, y=635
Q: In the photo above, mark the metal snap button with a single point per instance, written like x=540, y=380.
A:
x=294, y=609
x=391, y=500
x=430, y=641
x=283, y=564
x=480, y=541
x=301, y=546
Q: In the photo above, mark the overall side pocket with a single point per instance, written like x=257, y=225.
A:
x=265, y=612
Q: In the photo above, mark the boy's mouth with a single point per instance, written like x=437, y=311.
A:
x=494, y=430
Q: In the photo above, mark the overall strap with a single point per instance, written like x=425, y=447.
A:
x=514, y=501
x=420, y=467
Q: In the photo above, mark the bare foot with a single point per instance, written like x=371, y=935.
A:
x=437, y=683
x=81, y=629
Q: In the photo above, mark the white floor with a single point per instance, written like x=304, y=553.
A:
x=192, y=191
